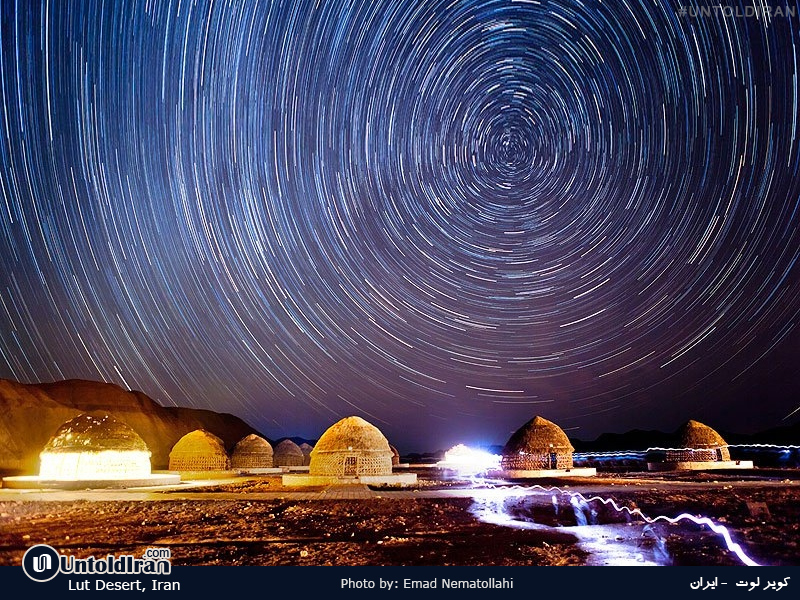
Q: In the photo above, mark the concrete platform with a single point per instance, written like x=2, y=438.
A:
x=31, y=482
x=396, y=479
x=708, y=465
x=541, y=473
x=297, y=469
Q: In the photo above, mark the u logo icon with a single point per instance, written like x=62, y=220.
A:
x=41, y=562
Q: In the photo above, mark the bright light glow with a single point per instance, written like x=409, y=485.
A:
x=94, y=466
x=642, y=453
x=608, y=545
x=620, y=453
x=516, y=490
x=716, y=528
x=785, y=447
x=468, y=460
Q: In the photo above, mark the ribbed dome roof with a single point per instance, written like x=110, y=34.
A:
x=95, y=433
x=253, y=444
x=199, y=441
x=538, y=435
x=288, y=447
x=306, y=448
x=352, y=433
x=697, y=435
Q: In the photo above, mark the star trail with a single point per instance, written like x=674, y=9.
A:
x=445, y=217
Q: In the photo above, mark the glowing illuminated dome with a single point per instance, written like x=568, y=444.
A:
x=306, y=450
x=539, y=444
x=469, y=460
x=94, y=448
x=699, y=443
x=288, y=454
x=458, y=453
x=252, y=452
x=352, y=447
x=199, y=450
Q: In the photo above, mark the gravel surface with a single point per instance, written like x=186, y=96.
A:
x=240, y=524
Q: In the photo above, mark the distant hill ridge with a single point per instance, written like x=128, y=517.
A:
x=31, y=413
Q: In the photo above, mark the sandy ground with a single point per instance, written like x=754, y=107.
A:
x=441, y=522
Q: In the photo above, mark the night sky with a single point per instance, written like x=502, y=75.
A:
x=445, y=217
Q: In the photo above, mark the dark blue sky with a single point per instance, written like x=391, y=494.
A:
x=445, y=217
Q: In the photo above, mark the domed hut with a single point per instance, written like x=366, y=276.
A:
x=351, y=447
x=537, y=445
x=701, y=449
x=699, y=443
x=395, y=456
x=94, y=448
x=351, y=451
x=306, y=450
x=287, y=454
x=252, y=452
x=199, y=450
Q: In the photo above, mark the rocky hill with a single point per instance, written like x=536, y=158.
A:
x=31, y=413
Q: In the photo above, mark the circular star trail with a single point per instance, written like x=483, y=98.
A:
x=443, y=216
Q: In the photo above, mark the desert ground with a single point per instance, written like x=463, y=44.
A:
x=444, y=520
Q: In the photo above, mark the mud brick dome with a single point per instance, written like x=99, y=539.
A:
x=306, y=450
x=699, y=443
x=252, y=452
x=352, y=447
x=288, y=454
x=199, y=450
x=539, y=444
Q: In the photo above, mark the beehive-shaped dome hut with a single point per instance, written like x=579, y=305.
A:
x=395, y=456
x=288, y=454
x=306, y=450
x=252, y=452
x=539, y=444
x=699, y=443
x=351, y=447
x=199, y=450
x=94, y=447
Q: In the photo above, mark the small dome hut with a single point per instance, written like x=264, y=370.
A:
x=199, y=450
x=306, y=450
x=351, y=447
x=395, y=456
x=538, y=444
x=699, y=443
x=252, y=452
x=287, y=454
